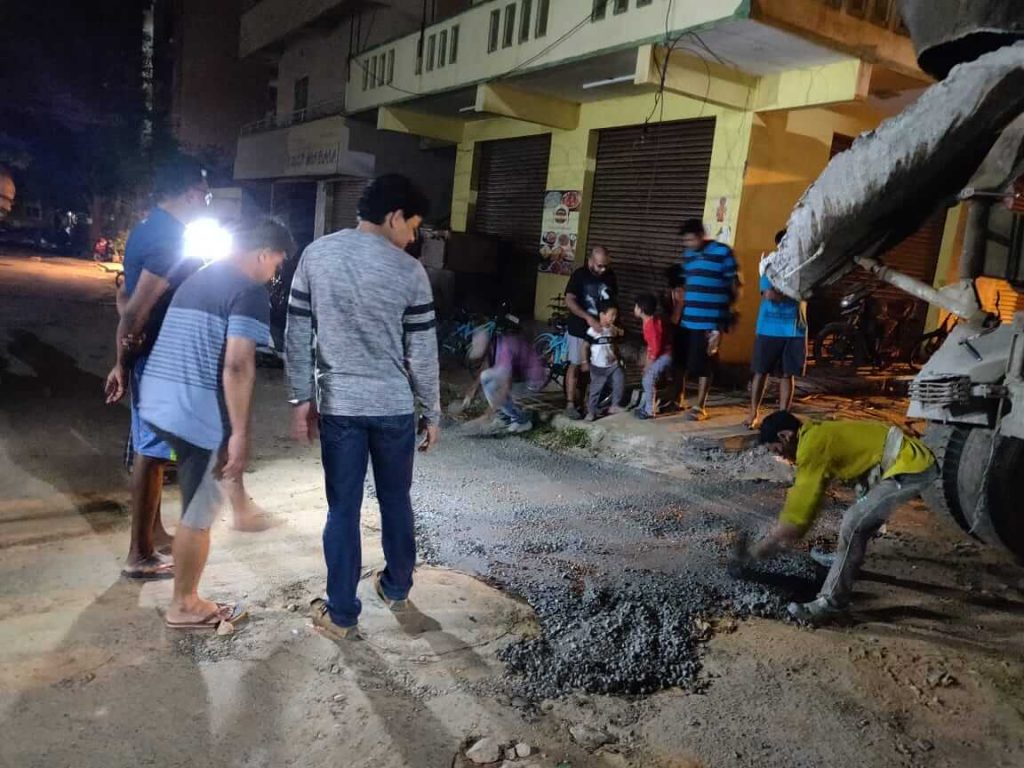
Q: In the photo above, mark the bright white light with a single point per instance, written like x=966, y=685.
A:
x=207, y=240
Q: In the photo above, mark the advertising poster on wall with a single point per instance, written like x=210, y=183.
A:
x=559, y=231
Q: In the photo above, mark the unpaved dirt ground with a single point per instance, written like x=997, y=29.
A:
x=548, y=578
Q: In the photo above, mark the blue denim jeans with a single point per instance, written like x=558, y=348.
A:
x=346, y=443
x=491, y=382
x=655, y=371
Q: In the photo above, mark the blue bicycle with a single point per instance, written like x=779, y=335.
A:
x=553, y=346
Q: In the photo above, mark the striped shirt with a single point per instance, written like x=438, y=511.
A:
x=182, y=386
x=710, y=279
x=361, y=336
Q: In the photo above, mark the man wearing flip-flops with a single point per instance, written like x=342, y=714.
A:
x=197, y=395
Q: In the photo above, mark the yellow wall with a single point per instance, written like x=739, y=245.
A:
x=572, y=160
x=788, y=150
x=761, y=163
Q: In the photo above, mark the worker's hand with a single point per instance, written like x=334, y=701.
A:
x=431, y=436
x=237, y=457
x=594, y=322
x=305, y=422
x=772, y=295
x=114, y=387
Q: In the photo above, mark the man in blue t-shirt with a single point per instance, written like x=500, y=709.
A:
x=154, y=267
x=710, y=278
x=197, y=395
x=780, y=348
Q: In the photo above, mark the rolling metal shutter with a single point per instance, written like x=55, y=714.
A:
x=342, y=201
x=512, y=177
x=646, y=182
x=916, y=256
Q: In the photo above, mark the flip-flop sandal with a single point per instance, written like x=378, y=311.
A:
x=230, y=612
x=160, y=573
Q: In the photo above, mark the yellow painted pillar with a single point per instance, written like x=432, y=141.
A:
x=570, y=166
x=948, y=256
x=462, y=186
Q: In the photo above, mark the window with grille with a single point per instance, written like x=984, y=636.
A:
x=300, y=92
x=510, y=26
x=524, y=20
x=543, y=6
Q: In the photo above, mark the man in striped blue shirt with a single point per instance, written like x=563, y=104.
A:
x=711, y=280
x=197, y=394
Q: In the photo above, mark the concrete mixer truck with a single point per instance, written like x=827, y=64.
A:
x=962, y=141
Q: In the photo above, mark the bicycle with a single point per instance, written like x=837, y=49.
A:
x=457, y=335
x=553, y=346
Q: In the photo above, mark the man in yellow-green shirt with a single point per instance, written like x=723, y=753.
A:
x=895, y=466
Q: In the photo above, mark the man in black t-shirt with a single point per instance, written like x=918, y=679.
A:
x=589, y=285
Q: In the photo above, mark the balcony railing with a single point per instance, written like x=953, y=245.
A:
x=497, y=38
x=316, y=111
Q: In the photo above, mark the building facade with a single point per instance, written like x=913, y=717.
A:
x=315, y=154
x=607, y=122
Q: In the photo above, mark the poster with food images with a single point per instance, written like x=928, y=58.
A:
x=559, y=231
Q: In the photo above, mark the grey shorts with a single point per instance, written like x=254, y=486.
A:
x=201, y=496
x=576, y=349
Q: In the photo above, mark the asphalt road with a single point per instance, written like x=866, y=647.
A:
x=556, y=577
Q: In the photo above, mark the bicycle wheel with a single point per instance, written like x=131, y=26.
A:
x=545, y=345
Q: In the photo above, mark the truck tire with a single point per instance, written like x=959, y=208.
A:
x=963, y=454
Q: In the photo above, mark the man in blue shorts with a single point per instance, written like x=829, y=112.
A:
x=780, y=348
x=197, y=397
x=711, y=280
x=154, y=267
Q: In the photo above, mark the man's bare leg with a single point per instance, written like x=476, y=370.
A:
x=787, y=390
x=246, y=514
x=162, y=540
x=703, y=390
x=757, y=387
x=191, y=550
x=571, y=385
x=146, y=490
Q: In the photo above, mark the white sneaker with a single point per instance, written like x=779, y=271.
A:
x=519, y=427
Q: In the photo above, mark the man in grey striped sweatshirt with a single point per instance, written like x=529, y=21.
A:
x=361, y=351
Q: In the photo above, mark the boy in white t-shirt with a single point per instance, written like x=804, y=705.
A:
x=604, y=361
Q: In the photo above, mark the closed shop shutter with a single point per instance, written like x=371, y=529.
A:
x=916, y=256
x=343, y=199
x=511, y=180
x=647, y=180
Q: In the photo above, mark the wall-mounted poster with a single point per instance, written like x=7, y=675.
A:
x=559, y=231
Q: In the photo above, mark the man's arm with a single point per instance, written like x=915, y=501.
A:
x=239, y=378
x=577, y=309
x=420, y=343
x=134, y=314
x=298, y=355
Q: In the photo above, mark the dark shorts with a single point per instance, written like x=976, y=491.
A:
x=780, y=355
x=698, y=361
x=201, y=495
x=679, y=347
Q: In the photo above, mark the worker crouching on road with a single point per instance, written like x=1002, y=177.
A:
x=895, y=467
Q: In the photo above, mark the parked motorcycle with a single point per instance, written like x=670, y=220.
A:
x=870, y=333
